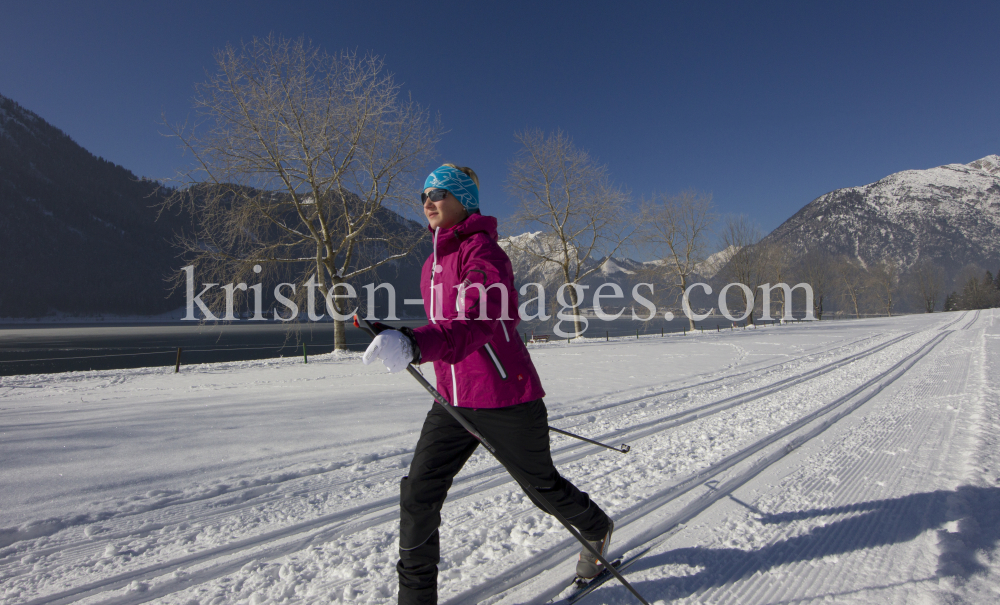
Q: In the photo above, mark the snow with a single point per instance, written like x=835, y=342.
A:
x=909, y=192
x=610, y=266
x=711, y=265
x=846, y=461
x=525, y=250
x=990, y=164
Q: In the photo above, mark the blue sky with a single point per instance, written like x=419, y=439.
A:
x=766, y=105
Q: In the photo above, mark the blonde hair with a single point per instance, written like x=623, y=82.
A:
x=468, y=171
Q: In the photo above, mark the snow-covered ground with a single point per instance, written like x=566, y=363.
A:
x=847, y=461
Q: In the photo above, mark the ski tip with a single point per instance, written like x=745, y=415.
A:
x=356, y=323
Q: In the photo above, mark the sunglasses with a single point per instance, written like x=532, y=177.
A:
x=436, y=195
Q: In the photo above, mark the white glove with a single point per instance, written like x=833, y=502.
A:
x=393, y=348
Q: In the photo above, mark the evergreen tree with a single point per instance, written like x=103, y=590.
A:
x=951, y=302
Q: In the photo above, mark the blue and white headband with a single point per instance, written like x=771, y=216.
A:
x=457, y=183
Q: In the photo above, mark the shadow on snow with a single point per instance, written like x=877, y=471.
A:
x=975, y=511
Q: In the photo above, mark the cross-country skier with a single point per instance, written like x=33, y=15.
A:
x=484, y=370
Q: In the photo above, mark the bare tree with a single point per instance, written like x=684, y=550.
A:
x=852, y=279
x=563, y=191
x=299, y=156
x=816, y=269
x=926, y=283
x=778, y=263
x=749, y=263
x=675, y=230
x=883, y=284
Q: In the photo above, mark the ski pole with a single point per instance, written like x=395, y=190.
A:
x=624, y=449
x=514, y=472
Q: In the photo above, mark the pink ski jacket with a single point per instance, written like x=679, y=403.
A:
x=479, y=359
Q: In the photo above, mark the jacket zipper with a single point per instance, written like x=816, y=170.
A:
x=496, y=361
x=434, y=269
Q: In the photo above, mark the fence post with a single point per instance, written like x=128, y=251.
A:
x=177, y=365
x=305, y=357
x=607, y=336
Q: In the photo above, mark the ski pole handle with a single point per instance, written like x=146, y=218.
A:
x=373, y=329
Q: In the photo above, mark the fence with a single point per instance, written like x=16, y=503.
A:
x=28, y=357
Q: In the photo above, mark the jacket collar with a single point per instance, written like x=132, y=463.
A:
x=449, y=239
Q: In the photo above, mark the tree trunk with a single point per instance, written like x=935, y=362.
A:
x=339, y=329
x=576, y=312
x=339, y=335
x=748, y=307
x=683, y=290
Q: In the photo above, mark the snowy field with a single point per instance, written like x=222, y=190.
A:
x=846, y=462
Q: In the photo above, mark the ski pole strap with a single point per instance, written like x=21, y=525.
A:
x=624, y=449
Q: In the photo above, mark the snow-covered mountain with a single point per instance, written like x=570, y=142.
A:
x=949, y=214
x=524, y=251
x=625, y=272
x=711, y=265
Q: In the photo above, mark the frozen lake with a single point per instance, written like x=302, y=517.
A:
x=31, y=348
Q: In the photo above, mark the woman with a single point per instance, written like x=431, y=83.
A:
x=484, y=370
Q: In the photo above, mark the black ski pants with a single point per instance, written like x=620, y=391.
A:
x=520, y=433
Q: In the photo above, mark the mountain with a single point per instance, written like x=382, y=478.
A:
x=528, y=268
x=949, y=214
x=78, y=233
x=710, y=266
x=81, y=235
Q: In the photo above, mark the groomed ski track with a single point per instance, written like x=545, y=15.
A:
x=704, y=575
x=708, y=446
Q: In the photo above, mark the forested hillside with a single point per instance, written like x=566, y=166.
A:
x=78, y=234
x=81, y=235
